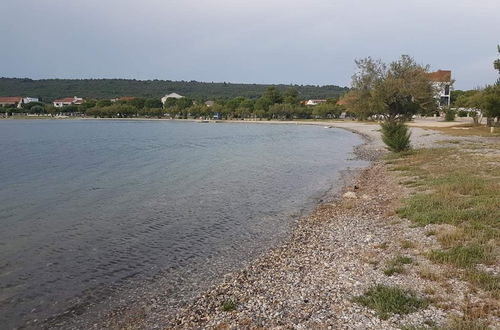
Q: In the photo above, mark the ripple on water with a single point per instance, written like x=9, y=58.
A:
x=120, y=202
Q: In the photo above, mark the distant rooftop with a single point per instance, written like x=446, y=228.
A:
x=440, y=76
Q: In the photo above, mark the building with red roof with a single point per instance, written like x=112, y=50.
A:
x=441, y=79
x=67, y=101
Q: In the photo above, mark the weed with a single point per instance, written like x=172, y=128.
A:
x=395, y=266
x=382, y=246
x=457, y=323
x=430, y=233
x=486, y=281
x=406, y=244
x=393, y=269
x=387, y=300
x=427, y=274
x=228, y=305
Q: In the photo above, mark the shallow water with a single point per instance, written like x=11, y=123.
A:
x=90, y=204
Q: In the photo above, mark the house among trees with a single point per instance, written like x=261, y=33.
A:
x=68, y=101
x=12, y=101
x=209, y=103
x=441, y=80
x=314, y=102
x=123, y=99
x=171, y=96
x=17, y=101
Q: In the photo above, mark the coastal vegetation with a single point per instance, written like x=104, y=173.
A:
x=50, y=89
x=394, y=92
x=272, y=104
x=456, y=196
x=388, y=300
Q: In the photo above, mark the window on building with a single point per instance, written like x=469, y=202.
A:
x=447, y=90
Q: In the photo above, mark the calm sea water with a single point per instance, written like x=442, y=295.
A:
x=88, y=204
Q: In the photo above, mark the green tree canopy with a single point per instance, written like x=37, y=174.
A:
x=395, y=91
x=291, y=96
x=273, y=94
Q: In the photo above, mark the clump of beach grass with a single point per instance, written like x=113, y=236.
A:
x=388, y=300
x=396, y=265
x=228, y=305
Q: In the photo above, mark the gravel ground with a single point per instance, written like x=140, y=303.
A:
x=333, y=255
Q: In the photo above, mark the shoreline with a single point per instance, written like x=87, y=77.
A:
x=267, y=278
x=310, y=279
x=112, y=313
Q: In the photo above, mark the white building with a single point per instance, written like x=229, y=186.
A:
x=68, y=101
x=441, y=79
x=170, y=96
x=30, y=99
x=314, y=102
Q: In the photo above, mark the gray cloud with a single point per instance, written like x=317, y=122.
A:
x=257, y=41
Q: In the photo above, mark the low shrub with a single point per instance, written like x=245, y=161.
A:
x=396, y=136
x=449, y=115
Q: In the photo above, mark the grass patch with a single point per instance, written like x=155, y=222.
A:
x=485, y=281
x=462, y=256
x=228, y=305
x=396, y=265
x=388, y=300
x=457, y=187
x=407, y=244
x=466, y=130
x=467, y=324
x=427, y=274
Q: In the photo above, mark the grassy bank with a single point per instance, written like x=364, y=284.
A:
x=455, y=193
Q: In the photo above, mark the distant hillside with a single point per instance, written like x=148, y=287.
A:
x=50, y=89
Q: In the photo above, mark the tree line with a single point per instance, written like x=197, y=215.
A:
x=50, y=89
x=272, y=104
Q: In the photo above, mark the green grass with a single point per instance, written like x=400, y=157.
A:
x=485, y=281
x=458, y=187
x=228, y=305
x=462, y=256
x=388, y=300
x=395, y=266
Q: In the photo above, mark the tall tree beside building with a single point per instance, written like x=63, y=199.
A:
x=395, y=91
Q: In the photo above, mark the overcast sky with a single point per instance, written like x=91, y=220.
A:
x=251, y=41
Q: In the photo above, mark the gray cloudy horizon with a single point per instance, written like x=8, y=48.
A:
x=290, y=42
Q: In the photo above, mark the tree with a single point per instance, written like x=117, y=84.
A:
x=103, y=103
x=137, y=102
x=326, y=110
x=273, y=95
x=496, y=64
x=183, y=103
x=491, y=104
x=396, y=91
x=153, y=103
x=291, y=96
x=263, y=103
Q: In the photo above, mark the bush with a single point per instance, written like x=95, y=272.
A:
x=388, y=300
x=462, y=113
x=396, y=136
x=449, y=115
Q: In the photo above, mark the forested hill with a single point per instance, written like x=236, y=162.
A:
x=50, y=89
